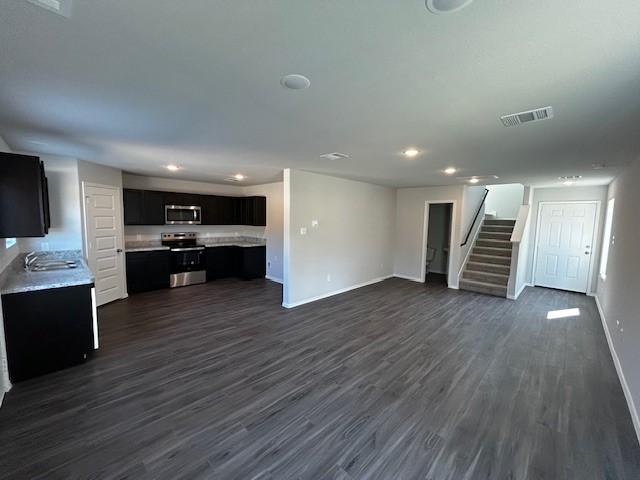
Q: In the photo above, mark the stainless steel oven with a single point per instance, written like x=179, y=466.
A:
x=187, y=259
x=182, y=215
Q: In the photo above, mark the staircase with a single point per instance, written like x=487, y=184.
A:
x=487, y=270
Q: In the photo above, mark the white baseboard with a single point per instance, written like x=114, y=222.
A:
x=274, y=279
x=407, y=277
x=519, y=292
x=621, y=377
x=335, y=292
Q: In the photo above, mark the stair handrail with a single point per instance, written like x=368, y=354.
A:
x=475, y=219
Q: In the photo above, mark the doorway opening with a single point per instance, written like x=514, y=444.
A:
x=438, y=243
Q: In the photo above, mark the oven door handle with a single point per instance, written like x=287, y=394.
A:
x=187, y=249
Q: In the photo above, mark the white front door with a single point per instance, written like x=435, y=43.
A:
x=104, y=241
x=565, y=245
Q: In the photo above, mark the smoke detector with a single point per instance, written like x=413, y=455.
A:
x=61, y=7
x=446, y=6
x=334, y=156
x=535, y=115
x=295, y=82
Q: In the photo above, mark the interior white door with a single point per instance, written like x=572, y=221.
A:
x=104, y=241
x=565, y=245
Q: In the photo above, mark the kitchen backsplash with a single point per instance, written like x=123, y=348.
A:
x=146, y=233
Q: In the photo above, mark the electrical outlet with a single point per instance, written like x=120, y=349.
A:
x=303, y=230
x=328, y=277
x=44, y=246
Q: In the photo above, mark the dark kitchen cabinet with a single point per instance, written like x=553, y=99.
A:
x=221, y=262
x=143, y=207
x=47, y=330
x=153, y=208
x=133, y=206
x=256, y=211
x=243, y=262
x=252, y=262
x=24, y=198
x=148, y=270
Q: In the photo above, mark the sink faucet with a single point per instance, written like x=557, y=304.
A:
x=29, y=259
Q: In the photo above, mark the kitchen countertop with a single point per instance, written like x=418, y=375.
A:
x=144, y=246
x=15, y=279
x=154, y=245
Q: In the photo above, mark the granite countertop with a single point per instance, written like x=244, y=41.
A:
x=240, y=241
x=144, y=246
x=15, y=279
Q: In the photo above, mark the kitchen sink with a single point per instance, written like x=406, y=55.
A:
x=48, y=265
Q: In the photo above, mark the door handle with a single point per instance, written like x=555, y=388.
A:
x=119, y=250
x=587, y=253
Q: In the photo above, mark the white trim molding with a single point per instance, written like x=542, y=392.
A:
x=335, y=292
x=452, y=276
x=407, y=277
x=274, y=279
x=616, y=361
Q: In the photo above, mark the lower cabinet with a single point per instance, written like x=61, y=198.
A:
x=242, y=262
x=147, y=270
x=222, y=262
x=252, y=262
x=47, y=330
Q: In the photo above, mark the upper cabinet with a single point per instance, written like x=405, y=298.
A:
x=24, y=197
x=145, y=207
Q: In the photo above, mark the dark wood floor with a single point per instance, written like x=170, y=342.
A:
x=398, y=380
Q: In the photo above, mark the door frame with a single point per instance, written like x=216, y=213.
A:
x=595, y=251
x=85, y=231
x=452, y=279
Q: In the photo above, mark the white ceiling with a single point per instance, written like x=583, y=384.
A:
x=140, y=84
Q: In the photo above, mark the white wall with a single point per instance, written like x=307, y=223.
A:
x=505, y=200
x=174, y=185
x=409, y=232
x=409, y=228
x=618, y=295
x=274, y=231
x=64, y=204
x=352, y=244
x=567, y=194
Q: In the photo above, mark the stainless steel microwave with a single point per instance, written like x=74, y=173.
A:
x=182, y=215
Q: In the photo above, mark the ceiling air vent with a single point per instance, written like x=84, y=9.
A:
x=535, y=115
x=334, y=156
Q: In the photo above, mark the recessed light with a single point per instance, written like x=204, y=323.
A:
x=172, y=168
x=474, y=180
x=568, y=183
x=450, y=171
x=411, y=152
x=446, y=6
x=295, y=82
x=239, y=177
